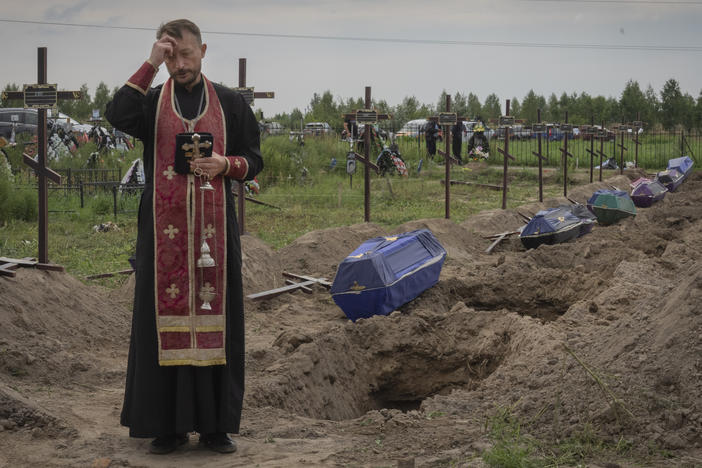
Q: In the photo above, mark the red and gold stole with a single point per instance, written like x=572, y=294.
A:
x=188, y=335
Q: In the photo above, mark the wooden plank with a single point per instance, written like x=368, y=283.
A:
x=507, y=233
x=462, y=182
x=497, y=241
x=27, y=261
x=107, y=275
x=322, y=281
x=278, y=291
x=49, y=267
x=8, y=269
x=305, y=289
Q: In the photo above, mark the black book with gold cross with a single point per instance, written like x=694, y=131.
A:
x=191, y=146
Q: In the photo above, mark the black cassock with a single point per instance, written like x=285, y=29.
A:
x=175, y=399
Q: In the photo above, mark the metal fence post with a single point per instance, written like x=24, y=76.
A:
x=114, y=200
x=82, y=199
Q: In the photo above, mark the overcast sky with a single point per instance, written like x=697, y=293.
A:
x=296, y=67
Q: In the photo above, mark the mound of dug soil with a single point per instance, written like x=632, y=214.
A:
x=595, y=339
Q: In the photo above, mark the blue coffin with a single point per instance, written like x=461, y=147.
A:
x=552, y=226
x=682, y=165
x=387, y=272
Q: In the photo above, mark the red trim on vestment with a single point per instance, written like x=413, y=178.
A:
x=141, y=80
x=238, y=167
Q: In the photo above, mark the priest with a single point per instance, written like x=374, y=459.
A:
x=185, y=371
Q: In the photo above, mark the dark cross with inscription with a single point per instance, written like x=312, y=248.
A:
x=249, y=95
x=539, y=128
x=589, y=131
x=506, y=122
x=566, y=129
x=624, y=129
x=636, y=126
x=42, y=96
x=447, y=120
x=368, y=117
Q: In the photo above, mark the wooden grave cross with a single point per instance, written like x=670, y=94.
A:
x=636, y=126
x=292, y=283
x=590, y=130
x=249, y=95
x=506, y=122
x=368, y=117
x=602, y=136
x=447, y=120
x=624, y=129
x=539, y=128
x=566, y=129
x=42, y=96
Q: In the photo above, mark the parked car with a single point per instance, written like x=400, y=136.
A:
x=412, y=128
x=273, y=128
x=25, y=121
x=317, y=128
x=22, y=120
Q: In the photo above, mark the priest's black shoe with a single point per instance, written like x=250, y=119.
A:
x=219, y=442
x=166, y=444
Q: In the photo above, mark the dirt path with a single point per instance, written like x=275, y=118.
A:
x=599, y=337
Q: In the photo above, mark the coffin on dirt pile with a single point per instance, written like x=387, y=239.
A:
x=387, y=272
x=611, y=205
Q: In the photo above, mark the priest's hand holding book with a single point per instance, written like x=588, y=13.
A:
x=235, y=167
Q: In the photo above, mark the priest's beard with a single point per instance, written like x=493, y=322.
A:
x=186, y=77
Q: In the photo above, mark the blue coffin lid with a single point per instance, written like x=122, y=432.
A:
x=681, y=165
x=550, y=220
x=381, y=261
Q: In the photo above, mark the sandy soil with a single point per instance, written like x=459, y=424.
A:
x=600, y=334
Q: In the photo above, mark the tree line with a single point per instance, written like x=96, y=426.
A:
x=668, y=109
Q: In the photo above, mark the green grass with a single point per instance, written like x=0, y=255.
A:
x=513, y=447
x=296, y=178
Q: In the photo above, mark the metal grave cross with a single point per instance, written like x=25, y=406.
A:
x=506, y=122
x=539, y=128
x=249, y=95
x=42, y=96
x=566, y=129
x=447, y=120
x=368, y=117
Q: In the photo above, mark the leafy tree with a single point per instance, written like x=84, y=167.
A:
x=491, y=108
x=651, y=110
x=102, y=97
x=632, y=101
x=441, y=104
x=474, y=108
x=515, y=108
x=9, y=87
x=553, y=109
x=672, y=104
x=459, y=104
x=323, y=109
x=688, y=111
x=530, y=105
